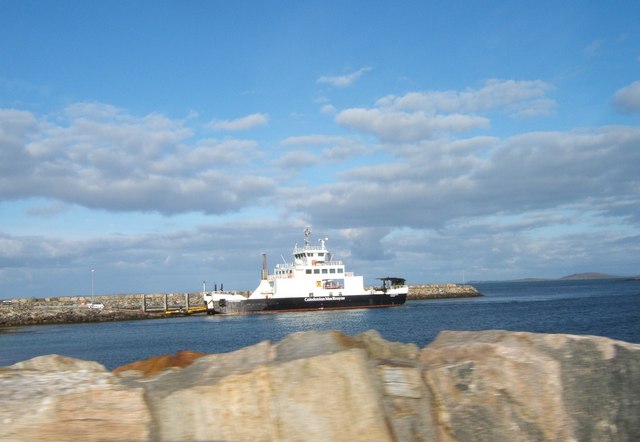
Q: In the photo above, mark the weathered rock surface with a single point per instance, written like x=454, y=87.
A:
x=465, y=386
x=63, y=399
x=526, y=386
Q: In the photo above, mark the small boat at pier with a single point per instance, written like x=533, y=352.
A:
x=313, y=281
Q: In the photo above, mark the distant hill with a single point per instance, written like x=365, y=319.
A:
x=574, y=277
x=588, y=275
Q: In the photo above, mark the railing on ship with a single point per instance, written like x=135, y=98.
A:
x=290, y=275
x=297, y=249
x=287, y=270
x=317, y=263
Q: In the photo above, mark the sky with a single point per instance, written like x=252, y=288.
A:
x=149, y=146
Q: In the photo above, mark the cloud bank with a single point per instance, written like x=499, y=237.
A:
x=419, y=181
x=421, y=115
x=102, y=157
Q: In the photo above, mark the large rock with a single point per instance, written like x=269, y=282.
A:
x=525, y=386
x=63, y=399
x=326, y=397
x=465, y=386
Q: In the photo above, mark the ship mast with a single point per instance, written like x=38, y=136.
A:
x=307, y=234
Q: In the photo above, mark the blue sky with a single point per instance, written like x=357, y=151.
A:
x=166, y=143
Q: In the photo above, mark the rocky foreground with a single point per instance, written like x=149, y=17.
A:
x=465, y=386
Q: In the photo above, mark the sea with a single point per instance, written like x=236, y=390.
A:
x=606, y=307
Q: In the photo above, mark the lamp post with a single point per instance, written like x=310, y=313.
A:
x=92, y=272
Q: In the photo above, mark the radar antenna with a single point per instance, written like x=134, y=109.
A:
x=307, y=234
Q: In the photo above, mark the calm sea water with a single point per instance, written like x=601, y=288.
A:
x=597, y=307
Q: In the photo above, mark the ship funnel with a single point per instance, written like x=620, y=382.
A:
x=265, y=273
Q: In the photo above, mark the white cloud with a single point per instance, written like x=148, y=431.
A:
x=103, y=157
x=398, y=126
x=15, y=127
x=627, y=99
x=296, y=160
x=537, y=171
x=545, y=170
x=509, y=95
x=240, y=124
x=343, y=80
x=328, y=109
x=315, y=140
x=333, y=148
x=422, y=115
x=208, y=153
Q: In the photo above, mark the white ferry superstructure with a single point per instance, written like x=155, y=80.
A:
x=313, y=281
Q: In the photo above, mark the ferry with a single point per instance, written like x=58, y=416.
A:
x=313, y=281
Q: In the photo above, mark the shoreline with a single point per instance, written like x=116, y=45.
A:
x=24, y=312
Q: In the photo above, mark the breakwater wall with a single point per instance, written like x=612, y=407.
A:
x=77, y=309
x=436, y=291
x=73, y=309
x=464, y=386
x=122, y=302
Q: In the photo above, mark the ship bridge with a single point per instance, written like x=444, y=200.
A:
x=308, y=257
x=311, y=255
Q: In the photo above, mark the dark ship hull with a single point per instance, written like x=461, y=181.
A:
x=375, y=300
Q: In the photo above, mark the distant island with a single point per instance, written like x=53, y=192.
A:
x=573, y=277
x=590, y=275
x=578, y=276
